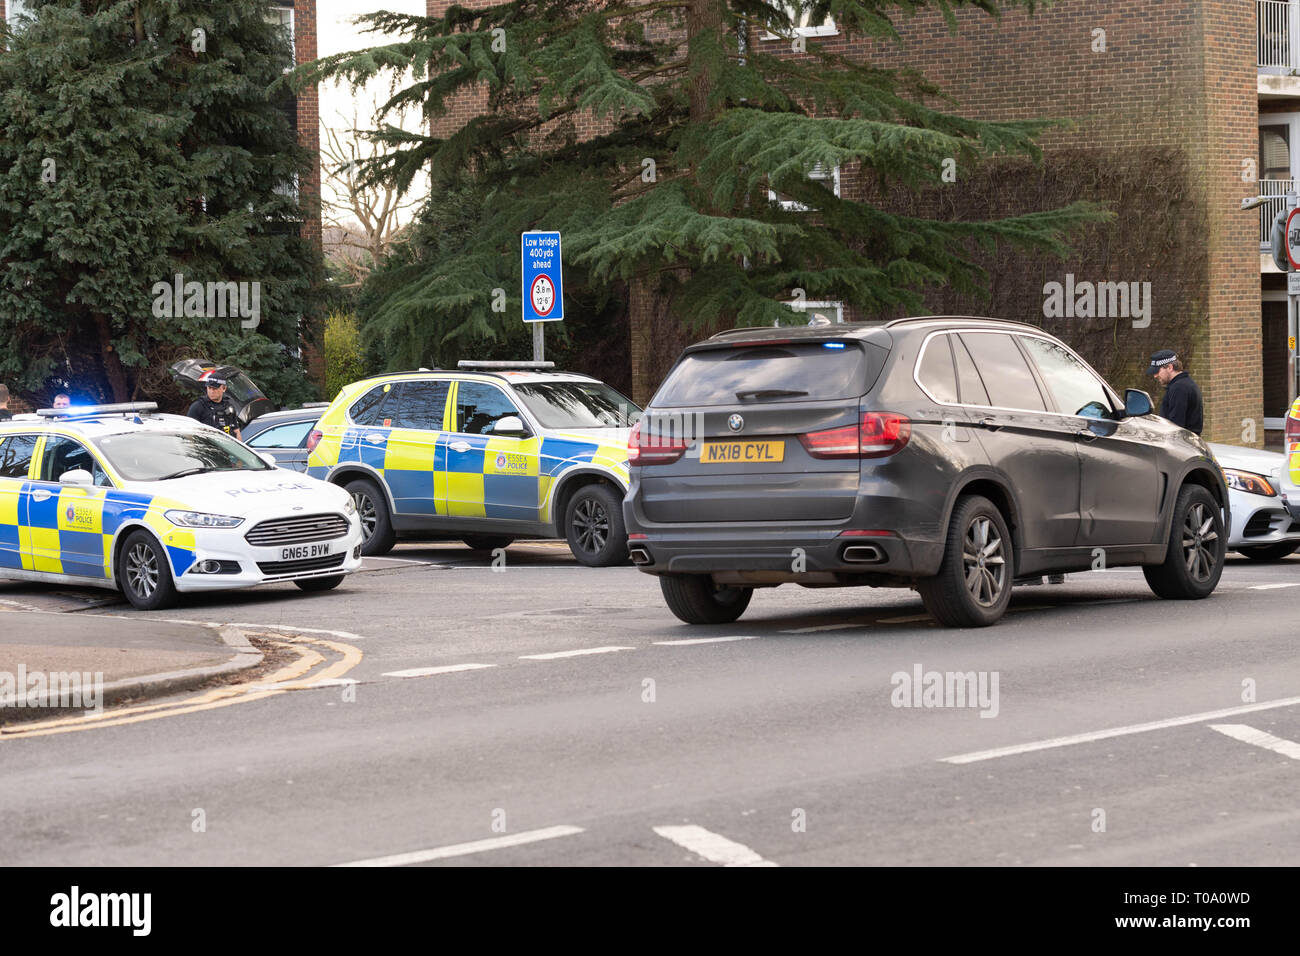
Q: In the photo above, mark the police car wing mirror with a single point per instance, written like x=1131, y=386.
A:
x=1136, y=403
x=510, y=425
x=268, y=458
x=78, y=476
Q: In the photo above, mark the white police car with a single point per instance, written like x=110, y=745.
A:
x=118, y=496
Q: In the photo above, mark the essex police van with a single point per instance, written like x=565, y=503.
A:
x=492, y=452
x=117, y=496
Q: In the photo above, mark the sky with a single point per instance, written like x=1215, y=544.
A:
x=336, y=34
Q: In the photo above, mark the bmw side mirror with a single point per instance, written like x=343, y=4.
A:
x=1136, y=403
x=511, y=425
x=78, y=476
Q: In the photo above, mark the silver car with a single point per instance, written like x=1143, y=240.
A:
x=1262, y=528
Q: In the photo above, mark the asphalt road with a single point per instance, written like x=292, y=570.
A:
x=1124, y=729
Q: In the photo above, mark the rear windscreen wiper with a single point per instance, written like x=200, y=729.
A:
x=769, y=393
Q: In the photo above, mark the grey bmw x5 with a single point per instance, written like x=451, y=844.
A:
x=952, y=455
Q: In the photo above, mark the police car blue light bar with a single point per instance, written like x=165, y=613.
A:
x=497, y=366
x=87, y=411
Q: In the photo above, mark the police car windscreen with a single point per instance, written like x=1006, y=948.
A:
x=578, y=405
x=157, y=456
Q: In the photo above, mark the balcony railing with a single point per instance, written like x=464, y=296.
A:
x=1278, y=26
x=1272, y=187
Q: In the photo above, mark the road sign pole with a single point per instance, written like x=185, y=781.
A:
x=539, y=341
x=1292, y=315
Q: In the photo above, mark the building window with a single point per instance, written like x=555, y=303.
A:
x=15, y=9
x=830, y=178
x=283, y=16
x=804, y=24
x=1277, y=166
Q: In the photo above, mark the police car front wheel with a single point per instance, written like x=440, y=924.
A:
x=144, y=573
x=377, y=532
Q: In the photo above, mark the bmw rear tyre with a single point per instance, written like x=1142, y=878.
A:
x=377, y=535
x=695, y=599
x=593, y=525
x=1197, y=546
x=144, y=573
x=973, y=586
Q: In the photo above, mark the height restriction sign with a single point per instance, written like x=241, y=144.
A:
x=543, y=286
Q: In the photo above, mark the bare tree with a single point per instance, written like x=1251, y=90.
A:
x=362, y=220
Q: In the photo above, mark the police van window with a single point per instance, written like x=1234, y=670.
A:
x=420, y=405
x=479, y=406
x=63, y=455
x=16, y=455
x=935, y=372
x=366, y=409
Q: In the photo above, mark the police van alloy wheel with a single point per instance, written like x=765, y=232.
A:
x=321, y=584
x=695, y=599
x=973, y=586
x=1197, y=545
x=144, y=573
x=1270, y=552
x=377, y=535
x=486, y=542
x=593, y=525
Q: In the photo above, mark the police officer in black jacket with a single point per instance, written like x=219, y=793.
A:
x=1182, y=402
x=216, y=409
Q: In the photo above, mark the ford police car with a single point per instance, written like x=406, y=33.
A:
x=492, y=452
x=117, y=496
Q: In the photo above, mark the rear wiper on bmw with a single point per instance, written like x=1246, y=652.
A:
x=183, y=473
x=769, y=393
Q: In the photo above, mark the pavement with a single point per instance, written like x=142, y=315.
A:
x=117, y=657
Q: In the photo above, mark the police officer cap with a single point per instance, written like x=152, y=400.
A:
x=215, y=381
x=1160, y=359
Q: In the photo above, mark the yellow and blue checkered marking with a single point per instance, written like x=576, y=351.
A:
x=72, y=530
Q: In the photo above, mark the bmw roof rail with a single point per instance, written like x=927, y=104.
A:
x=505, y=366
x=75, y=412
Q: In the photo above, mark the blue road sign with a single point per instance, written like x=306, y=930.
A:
x=543, y=277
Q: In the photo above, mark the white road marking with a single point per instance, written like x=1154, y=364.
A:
x=464, y=849
x=366, y=561
x=429, y=671
x=713, y=847
x=1249, y=735
x=556, y=655
x=1273, y=587
x=335, y=682
x=707, y=640
x=1015, y=749
x=910, y=619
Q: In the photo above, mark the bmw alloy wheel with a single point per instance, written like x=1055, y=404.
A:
x=983, y=562
x=1198, y=538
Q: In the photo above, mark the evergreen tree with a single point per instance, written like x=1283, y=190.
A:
x=139, y=141
x=701, y=126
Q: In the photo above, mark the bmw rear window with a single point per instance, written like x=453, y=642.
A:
x=790, y=372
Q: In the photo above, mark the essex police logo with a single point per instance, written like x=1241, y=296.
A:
x=82, y=517
x=501, y=460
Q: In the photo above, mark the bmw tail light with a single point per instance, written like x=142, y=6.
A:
x=314, y=439
x=653, y=448
x=877, y=434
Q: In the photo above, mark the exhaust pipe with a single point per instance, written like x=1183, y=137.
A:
x=863, y=554
x=640, y=556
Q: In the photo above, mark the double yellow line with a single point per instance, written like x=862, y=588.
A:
x=297, y=675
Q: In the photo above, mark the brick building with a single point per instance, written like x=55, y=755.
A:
x=1173, y=108
x=299, y=16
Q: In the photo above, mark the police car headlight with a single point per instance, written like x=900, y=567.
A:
x=197, y=519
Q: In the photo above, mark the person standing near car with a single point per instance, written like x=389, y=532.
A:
x=216, y=409
x=1182, y=402
x=5, y=414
